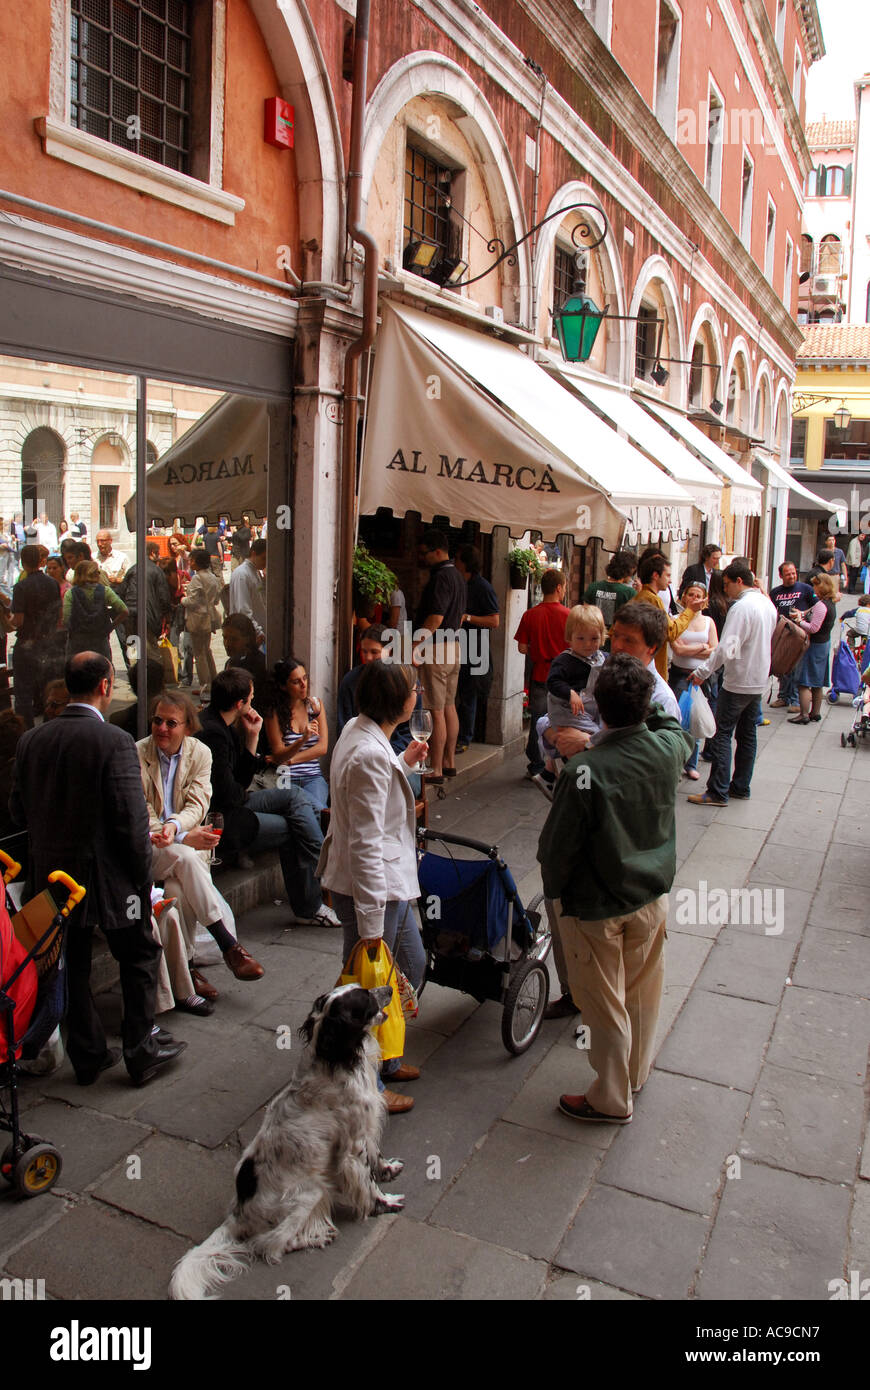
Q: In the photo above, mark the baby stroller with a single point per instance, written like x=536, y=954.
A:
x=478, y=936
x=861, y=722
x=32, y=1003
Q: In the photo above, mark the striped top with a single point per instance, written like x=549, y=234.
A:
x=296, y=743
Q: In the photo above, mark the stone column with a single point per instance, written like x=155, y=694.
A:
x=504, y=716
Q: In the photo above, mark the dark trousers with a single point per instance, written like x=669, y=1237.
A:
x=537, y=707
x=288, y=822
x=471, y=690
x=736, y=717
x=28, y=675
x=138, y=956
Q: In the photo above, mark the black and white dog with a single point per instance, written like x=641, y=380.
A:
x=317, y=1150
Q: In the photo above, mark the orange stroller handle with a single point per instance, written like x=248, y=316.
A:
x=13, y=868
x=76, y=891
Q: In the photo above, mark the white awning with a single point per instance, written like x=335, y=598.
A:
x=613, y=402
x=521, y=452
x=746, y=491
x=782, y=478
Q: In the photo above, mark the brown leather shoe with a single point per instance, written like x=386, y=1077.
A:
x=202, y=986
x=403, y=1073
x=563, y=1007
x=242, y=964
x=396, y=1104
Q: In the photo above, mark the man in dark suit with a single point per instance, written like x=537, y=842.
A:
x=78, y=790
x=701, y=573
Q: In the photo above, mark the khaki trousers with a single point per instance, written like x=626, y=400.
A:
x=202, y=655
x=187, y=877
x=173, y=980
x=616, y=972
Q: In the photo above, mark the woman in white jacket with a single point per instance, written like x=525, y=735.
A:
x=201, y=615
x=369, y=859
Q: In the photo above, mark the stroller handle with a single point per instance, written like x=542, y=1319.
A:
x=13, y=868
x=76, y=891
x=491, y=851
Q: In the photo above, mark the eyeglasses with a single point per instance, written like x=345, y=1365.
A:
x=170, y=723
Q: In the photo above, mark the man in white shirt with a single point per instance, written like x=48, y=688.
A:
x=46, y=533
x=248, y=588
x=744, y=651
x=113, y=563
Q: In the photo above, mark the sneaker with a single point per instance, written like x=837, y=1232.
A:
x=702, y=799
x=325, y=917
x=579, y=1108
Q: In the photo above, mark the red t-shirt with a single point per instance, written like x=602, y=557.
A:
x=542, y=629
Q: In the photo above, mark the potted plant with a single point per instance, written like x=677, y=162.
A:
x=524, y=561
x=372, y=580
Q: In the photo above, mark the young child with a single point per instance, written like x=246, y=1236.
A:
x=569, y=674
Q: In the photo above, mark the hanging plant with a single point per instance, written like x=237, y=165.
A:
x=372, y=578
x=523, y=563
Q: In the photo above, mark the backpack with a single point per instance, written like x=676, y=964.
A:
x=89, y=620
x=788, y=644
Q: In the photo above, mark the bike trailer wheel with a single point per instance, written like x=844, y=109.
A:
x=524, y=1006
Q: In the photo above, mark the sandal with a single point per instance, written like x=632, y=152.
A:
x=450, y=772
x=692, y=773
x=801, y=719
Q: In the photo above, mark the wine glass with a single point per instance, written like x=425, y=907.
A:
x=214, y=823
x=421, y=729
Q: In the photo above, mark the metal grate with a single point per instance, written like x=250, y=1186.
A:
x=645, y=342
x=426, y=213
x=130, y=75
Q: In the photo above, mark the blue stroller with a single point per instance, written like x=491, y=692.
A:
x=480, y=939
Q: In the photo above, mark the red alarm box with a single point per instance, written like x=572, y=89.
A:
x=278, y=123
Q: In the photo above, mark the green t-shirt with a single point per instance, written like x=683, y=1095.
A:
x=609, y=597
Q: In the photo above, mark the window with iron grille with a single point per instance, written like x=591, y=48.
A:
x=645, y=341
x=130, y=68
x=427, y=215
x=108, y=508
x=564, y=274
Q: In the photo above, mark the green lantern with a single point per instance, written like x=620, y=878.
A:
x=577, y=324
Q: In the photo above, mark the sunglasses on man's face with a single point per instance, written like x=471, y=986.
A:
x=170, y=723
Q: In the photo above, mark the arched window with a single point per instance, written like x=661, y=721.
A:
x=829, y=255
x=807, y=248
x=834, y=185
x=42, y=469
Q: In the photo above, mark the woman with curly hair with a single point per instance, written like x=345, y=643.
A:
x=297, y=732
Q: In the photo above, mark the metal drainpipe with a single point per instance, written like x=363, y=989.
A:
x=356, y=232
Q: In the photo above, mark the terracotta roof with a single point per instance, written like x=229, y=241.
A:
x=830, y=135
x=835, y=341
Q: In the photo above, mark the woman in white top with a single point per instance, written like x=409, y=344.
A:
x=688, y=651
x=369, y=857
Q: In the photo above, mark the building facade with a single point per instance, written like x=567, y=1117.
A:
x=650, y=151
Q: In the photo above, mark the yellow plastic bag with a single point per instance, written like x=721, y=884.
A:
x=170, y=655
x=369, y=974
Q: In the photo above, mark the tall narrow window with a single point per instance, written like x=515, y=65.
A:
x=797, y=77
x=830, y=250
x=770, y=240
x=428, y=194
x=668, y=68
x=780, y=26
x=696, y=376
x=789, y=272
x=715, y=132
x=645, y=340
x=565, y=272
x=807, y=254
x=108, y=508
x=746, y=201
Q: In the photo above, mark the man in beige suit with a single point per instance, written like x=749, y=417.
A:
x=176, y=779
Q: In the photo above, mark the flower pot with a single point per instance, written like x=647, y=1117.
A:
x=519, y=578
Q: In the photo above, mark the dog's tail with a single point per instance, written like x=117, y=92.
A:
x=205, y=1268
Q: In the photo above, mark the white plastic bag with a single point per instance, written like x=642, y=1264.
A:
x=702, y=720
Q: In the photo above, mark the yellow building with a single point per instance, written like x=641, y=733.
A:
x=830, y=440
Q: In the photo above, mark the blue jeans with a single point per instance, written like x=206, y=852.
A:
x=289, y=823
x=788, y=690
x=316, y=789
x=736, y=716
x=410, y=956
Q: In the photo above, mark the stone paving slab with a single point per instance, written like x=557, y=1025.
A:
x=443, y=1010
x=817, y=808
x=859, y=1231
x=310, y=1275
x=676, y=1147
x=440, y=1264
x=824, y=1034
x=817, y=779
x=853, y=830
x=96, y=1252
x=793, y=829
x=21, y=1220
x=755, y=814
x=835, y=961
x=646, y=1247
x=778, y=1235
x=684, y=957
x=565, y=1070
x=577, y=1288
x=722, y=840
x=520, y=1190
x=807, y=1124
x=793, y=902
x=90, y=1143
x=182, y=1187
x=841, y=907
x=705, y=865
x=791, y=866
x=748, y=965
x=847, y=866
x=719, y=1038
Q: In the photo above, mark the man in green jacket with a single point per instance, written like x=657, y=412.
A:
x=608, y=854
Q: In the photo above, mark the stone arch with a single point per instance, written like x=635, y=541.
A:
x=656, y=271
x=763, y=381
x=303, y=79
x=706, y=325
x=740, y=354
x=607, y=261
x=782, y=420
x=43, y=468
x=429, y=73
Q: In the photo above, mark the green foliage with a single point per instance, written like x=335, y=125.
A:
x=371, y=576
x=528, y=562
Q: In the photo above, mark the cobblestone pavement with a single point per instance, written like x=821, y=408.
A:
x=740, y=1177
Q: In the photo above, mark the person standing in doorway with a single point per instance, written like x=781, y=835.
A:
x=441, y=608
x=248, y=589
x=480, y=620
x=541, y=637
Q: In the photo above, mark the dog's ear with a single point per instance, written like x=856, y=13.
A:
x=307, y=1029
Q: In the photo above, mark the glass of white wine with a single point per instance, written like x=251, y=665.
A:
x=421, y=730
